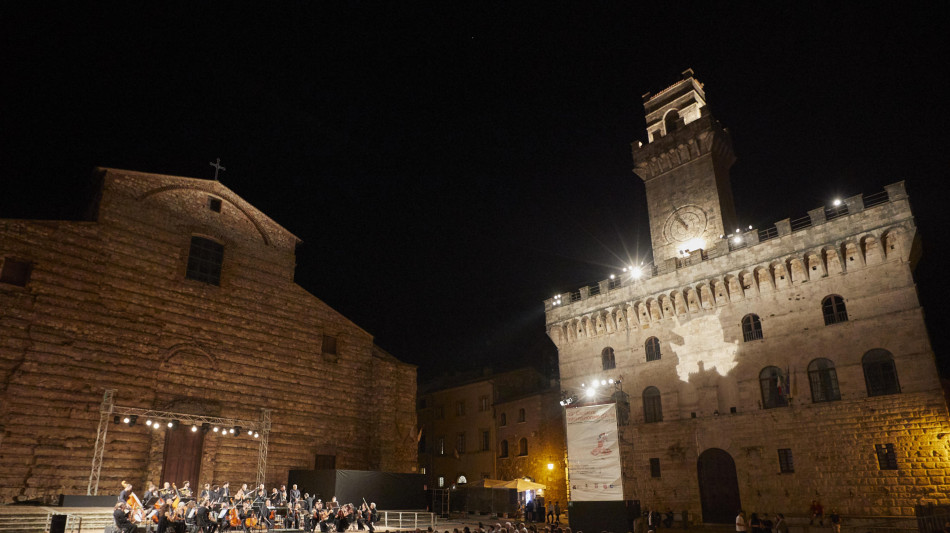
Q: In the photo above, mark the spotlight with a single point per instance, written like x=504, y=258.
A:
x=550, y=466
x=256, y=435
x=115, y=419
x=194, y=428
x=737, y=239
x=583, y=385
x=133, y=419
x=636, y=273
x=624, y=269
x=215, y=429
x=750, y=226
x=611, y=381
x=721, y=236
x=737, y=230
x=170, y=424
x=612, y=276
x=837, y=202
x=591, y=393
x=250, y=432
x=148, y=422
x=232, y=431
x=603, y=382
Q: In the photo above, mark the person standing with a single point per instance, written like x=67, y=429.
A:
x=549, y=518
x=557, y=513
x=835, y=521
x=529, y=511
x=741, y=525
x=816, y=511
x=780, y=525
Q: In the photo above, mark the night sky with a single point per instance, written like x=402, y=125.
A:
x=449, y=165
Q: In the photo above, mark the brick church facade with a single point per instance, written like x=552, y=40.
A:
x=180, y=296
x=766, y=368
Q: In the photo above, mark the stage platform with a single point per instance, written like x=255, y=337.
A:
x=49, y=519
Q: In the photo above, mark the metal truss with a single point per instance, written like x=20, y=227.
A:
x=108, y=410
x=262, y=448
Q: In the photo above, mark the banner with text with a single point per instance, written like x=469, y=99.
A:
x=593, y=454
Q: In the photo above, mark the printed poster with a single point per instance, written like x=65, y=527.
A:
x=593, y=453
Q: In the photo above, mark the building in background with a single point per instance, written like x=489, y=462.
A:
x=179, y=296
x=760, y=368
x=501, y=426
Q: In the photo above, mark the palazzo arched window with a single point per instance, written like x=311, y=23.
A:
x=652, y=347
x=652, y=405
x=607, y=359
x=774, y=387
x=832, y=307
x=751, y=328
x=823, y=380
x=880, y=373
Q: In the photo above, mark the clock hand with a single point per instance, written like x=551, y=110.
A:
x=680, y=219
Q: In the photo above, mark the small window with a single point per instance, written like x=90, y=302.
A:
x=441, y=446
x=486, y=440
x=462, y=480
x=823, y=380
x=460, y=408
x=880, y=373
x=523, y=447
x=329, y=345
x=655, y=467
x=441, y=481
x=214, y=204
x=483, y=403
x=652, y=405
x=785, y=463
x=521, y=415
x=652, y=347
x=607, y=359
x=503, y=421
x=460, y=443
x=834, y=310
x=205, y=258
x=886, y=458
x=15, y=272
x=774, y=386
x=503, y=449
x=751, y=328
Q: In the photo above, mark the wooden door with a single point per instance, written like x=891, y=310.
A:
x=718, y=486
x=182, y=456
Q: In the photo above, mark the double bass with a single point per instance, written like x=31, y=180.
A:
x=137, y=512
x=234, y=518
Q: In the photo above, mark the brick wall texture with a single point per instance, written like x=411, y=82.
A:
x=108, y=306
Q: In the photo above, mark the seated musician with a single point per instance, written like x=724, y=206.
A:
x=166, y=491
x=203, y=517
x=176, y=519
x=125, y=492
x=121, y=517
x=150, y=494
x=164, y=517
x=268, y=514
x=247, y=515
x=185, y=490
x=205, y=493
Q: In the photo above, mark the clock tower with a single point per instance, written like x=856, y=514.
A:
x=685, y=167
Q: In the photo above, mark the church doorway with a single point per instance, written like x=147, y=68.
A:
x=182, y=456
x=718, y=486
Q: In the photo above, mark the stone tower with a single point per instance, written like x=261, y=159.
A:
x=685, y=166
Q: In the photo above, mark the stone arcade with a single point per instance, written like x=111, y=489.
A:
x=180, y=295
x=764, y=368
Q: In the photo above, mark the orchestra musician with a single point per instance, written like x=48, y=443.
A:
x=185, y=491
x=294, y=494
x=125, y=492
x=150, y=494
x=248, y=514
x=342, y=518
x=241, y=493
x=205, y=493
x=204, y=517
x=225, y=492
x=166, y=491
x=121, y=516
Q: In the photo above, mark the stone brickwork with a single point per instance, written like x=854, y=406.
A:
x=708, y=373
x=108, y=305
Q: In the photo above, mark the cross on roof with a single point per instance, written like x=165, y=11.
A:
x=217, y=166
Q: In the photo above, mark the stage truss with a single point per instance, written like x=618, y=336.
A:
x=108, y=410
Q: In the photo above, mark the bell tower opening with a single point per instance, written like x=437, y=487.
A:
x=685, y=167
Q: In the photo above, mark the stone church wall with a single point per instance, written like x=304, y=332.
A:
x=108, y=306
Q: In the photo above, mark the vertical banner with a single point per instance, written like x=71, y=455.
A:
x=593, y=453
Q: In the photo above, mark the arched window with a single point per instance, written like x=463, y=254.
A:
x=774, y=387
x=523, y=447
x=833, y=309
x=823, y=380
x=461, y=479
x=652, y=347
x=652, y=405
x=607, y=359
x=503, y=421
x=521, y=415
x=670, y=121
x=751, y=328
x=504, y=449
x=880, y=373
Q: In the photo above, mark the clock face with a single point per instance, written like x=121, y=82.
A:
x=687, y=222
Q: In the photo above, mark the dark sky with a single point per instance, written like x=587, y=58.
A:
x=449, y=165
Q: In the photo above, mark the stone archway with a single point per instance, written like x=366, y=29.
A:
x=718, y=486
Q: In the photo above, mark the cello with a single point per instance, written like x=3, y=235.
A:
x=234, y=518
x=137, y=513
